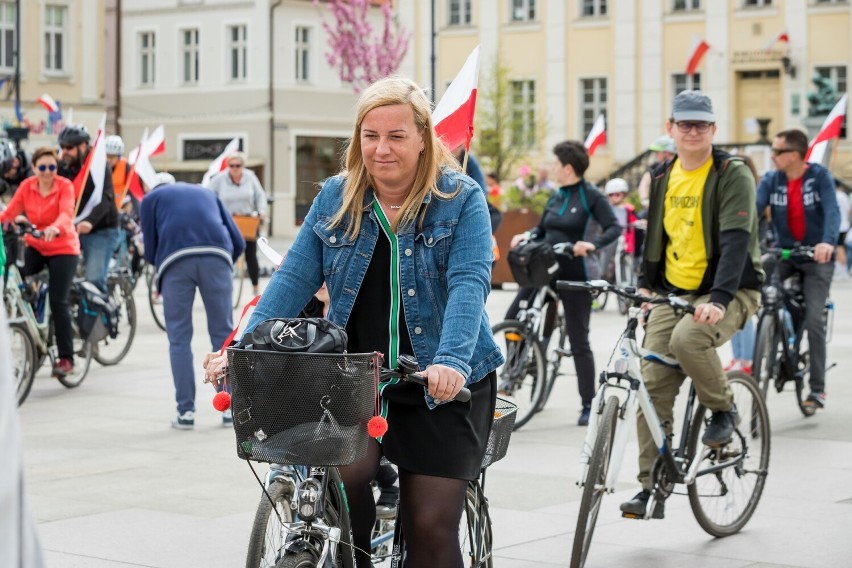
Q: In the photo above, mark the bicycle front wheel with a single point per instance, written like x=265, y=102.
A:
x=766, y=362
x=731, y=478
x=475, y=536
x=23, y=359
x=521, y=378
x=111, y=351
x=268, y=530
x=594, y=487
x=557, y=353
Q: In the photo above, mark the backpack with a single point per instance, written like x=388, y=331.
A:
x=97, y=314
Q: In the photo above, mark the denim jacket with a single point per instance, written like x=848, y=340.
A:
x=445, y=273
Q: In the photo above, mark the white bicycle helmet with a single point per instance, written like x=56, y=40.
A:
x=164, y=178
x=616, y=185
x=114, y=145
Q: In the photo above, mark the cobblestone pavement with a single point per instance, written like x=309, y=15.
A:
x=112, y=485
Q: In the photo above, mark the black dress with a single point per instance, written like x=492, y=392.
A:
x=448, y=441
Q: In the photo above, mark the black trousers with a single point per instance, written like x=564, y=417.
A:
x=578, y=313
x=61, y=269
x=251, y=262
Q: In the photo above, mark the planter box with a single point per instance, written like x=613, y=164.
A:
x=514, y=222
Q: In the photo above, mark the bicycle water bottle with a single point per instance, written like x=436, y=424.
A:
x=828, y=318
x=791, y=331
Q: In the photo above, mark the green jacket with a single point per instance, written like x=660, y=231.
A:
x=729, y=218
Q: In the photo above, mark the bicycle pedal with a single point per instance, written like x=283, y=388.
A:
x=632, y=516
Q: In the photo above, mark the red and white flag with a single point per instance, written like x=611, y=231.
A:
x=453, y=116
x=699, y=48
x=781, y=37
x=94, y=166
x=830, y=129
x=597, y=135
x=150, y=145
x=47, y=102
x=221, y=161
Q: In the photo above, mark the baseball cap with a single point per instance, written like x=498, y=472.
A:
x=693, y=105
x=663, y=144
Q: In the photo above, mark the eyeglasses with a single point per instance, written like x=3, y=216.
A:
x=67, y=146
x=700, y=127
x=43, y=168
x=779, y=151
x=235, y=165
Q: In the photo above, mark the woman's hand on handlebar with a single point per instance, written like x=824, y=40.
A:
x=444, y=382
x=50, y=233
x=517, y=239
x=583, y=248
x=215, y=365
x=22, y=220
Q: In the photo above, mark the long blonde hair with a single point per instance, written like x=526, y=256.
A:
x=434, y=158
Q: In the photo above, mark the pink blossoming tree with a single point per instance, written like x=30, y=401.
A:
x=359, y=58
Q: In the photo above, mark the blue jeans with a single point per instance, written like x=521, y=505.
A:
x=743, y=341
x=211, y=276
x=98, y=248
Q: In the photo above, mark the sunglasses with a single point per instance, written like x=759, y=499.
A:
x=779, y=151
x=43, y=168
x=235, y=165
x=700, y=127
x=67, y=146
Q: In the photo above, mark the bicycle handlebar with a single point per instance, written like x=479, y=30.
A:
x=629, y=293
x=785, y=254
x=406, y=369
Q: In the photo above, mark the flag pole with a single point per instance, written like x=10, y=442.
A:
x=464, y=162
x=85, y=178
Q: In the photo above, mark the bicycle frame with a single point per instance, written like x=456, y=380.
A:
x=14, y=299
x=532, y=314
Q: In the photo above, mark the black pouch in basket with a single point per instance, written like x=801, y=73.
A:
x=301, y=408
x=298, y=335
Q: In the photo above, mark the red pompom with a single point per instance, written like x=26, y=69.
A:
x=377, y=426
x=222, y=401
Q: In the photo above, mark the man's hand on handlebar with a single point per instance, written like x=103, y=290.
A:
x=823, y=252
x=583, y=248
x=444, y=382
x=709, y=314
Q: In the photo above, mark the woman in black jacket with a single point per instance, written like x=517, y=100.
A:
x=576, y=212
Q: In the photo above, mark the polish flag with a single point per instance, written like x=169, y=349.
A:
x=95, y=165
x=830, y=129
x=134, y=184
x=781, y=37
x=150, y=145
x=597, y=135
x=221, y=161
x=699, y=48
x=453, y=116
x=47, y=102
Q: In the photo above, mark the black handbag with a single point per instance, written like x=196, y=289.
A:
x=533, y=263
x=303, y=335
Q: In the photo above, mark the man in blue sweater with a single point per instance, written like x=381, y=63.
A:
x=804, y=212
x=191, y=238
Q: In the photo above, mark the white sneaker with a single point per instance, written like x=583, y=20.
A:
x=840, y=272
x=227, y=418
x=185, y=421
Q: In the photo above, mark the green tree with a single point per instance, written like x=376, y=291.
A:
x=507, y=125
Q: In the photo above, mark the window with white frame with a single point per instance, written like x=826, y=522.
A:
x=238, y=52
x=459, y=13
x=303, y=54
x=836, y=74
x=686, y=5
x=523, y=113
x=55, y=20
x=523, y=10
x=831, y=1
x=189, y=46
x=147, y=58
x=594, y=95
x=684, y=82
x=592, y=8
x=756, y=3
x=7, y=35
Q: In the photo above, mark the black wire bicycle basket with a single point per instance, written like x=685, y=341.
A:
x=501, y=432
x=302, y=408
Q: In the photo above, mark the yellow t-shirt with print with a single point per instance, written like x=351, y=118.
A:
x=686, y=257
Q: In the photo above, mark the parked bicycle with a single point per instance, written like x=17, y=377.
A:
x=724, y=484
x=533, y=356
x=779, y=356
x=33, y=339
x=302, y=519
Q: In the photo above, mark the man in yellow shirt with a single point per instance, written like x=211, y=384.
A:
x=701, y=244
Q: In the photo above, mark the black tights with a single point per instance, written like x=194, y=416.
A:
x=251, y=262
x=431, y=512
